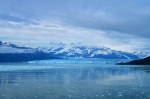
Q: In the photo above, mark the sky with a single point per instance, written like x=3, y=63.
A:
x=117, y=24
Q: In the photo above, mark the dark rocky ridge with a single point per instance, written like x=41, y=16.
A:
x=145, y=61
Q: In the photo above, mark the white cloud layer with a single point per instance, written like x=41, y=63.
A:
x=54, y=31
x=118, y=24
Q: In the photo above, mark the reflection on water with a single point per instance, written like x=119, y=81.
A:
x=76, y=81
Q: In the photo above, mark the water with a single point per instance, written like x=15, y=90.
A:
x=74, y=79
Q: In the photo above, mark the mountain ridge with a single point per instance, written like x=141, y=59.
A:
x=144, y=61
x=82, y=51
x=13, y=53
x=9, y=52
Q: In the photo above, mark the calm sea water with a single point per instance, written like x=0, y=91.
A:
x=74, y=79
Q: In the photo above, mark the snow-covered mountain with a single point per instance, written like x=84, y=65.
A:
x=7, y=47
x=142, y=54
x=13, y=53
x=80, y=51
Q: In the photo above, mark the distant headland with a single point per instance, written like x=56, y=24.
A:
x=145, y=61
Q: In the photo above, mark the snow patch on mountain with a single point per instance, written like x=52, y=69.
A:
x=142, y=54
x=81, y=51
x=72, y=50
x=6, y=47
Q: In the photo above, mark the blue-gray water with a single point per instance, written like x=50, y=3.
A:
x=74, y=79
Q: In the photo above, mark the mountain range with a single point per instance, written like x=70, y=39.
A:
x=81, y=51
x=14, y=53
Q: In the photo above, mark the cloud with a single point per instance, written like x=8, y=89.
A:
x=46, y=31
x=123, y=16
x=119, y=24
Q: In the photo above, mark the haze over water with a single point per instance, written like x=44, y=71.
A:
x=75, y=79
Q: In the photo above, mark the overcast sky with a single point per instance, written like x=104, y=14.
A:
x=118, y=24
